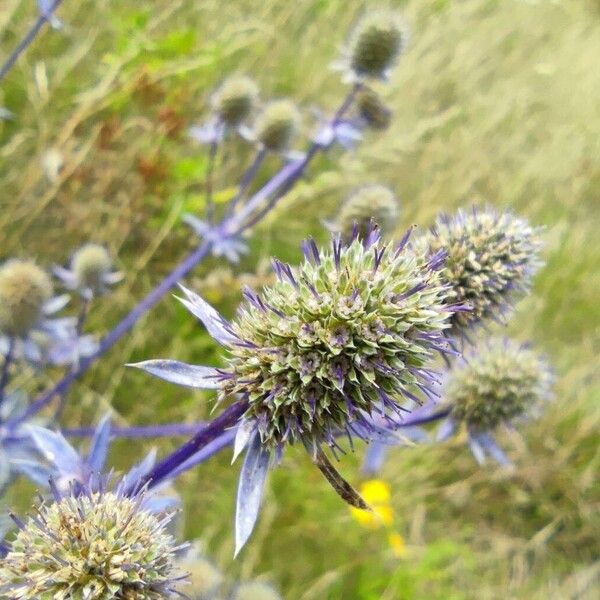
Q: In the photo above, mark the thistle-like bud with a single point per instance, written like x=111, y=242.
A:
x=97, y=546
x=204, y=578
x=371, y=203
x=376, y=44
x=371, y=109
x=235, y=99
x=24, y=289
x=277, y=125
x=491, y=258
x=343, y=335
x=255, y=590
x=497, y=383
x=90, y=265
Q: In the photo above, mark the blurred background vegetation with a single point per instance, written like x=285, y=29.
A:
x=496, y=101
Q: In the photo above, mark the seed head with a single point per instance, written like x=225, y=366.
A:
x=90, y=264
x=376, y=44
x=371, y=203
x=372, y=110
x=491, y=258
x=344, y=334
x=255, y=590
x=277, y=125
x=96, y=546
x=235, y=99
x=24, y=288
x=496, y=384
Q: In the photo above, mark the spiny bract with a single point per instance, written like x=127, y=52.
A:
x=497, y=383
x=374, y=113
x=235, y=99
x=97, y=546
x=369, y=203
x=24, y=289
x=491, y=258
x=90, y=264
x=255, y=590
x=376, y=44
x=277, y=125
x=346, y=333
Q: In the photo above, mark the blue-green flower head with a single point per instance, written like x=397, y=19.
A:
x=234, y=100
x=367, y=205
x=340, y=336
x=204, y=579
x=255, y=590
x=376, y=44
x=497, y=383
x=98, y=546
x=491, y=258
x=24, y=291
x=277, y=125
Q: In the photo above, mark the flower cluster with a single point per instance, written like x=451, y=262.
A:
x=98, y=545
x=491, y=258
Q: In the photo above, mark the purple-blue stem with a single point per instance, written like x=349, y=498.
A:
x=223, y=441
x=4, y=377
x=148, y=431
x=229, y=227
x=26, y=41
x=228, y=418
x=430, y=418
x=247, y=179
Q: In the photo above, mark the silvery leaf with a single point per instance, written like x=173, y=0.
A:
x=242, y=437
x=194, y=376
x=250, y=490
x=55, y=449
x=99, y=445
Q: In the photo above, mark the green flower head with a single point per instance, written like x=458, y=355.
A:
x=491, y=258
x=97, y=546
x=235, y=99
x=497, y=383
x=24, y=290
x=372, y=111
x=277, y=125
x=90, y=265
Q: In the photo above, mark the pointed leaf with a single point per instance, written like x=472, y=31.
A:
x=337, y=482
x=476, y=449
x=252, y=481
x=137, y=472
x=446, y=430
x=211, y=319
x=242, y=437
x=374, y=458
x=194, y=376
x=492, y=448
x=99, y=445
x=55, y=449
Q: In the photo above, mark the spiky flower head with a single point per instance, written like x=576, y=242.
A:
x=97, y=546
x=277, y=125
x=370, y=203
x=235, y=99
x=255, y=590
x=203, y=579
x=90, y=265
x=372, y=111
x=343, y=335
x=376, y=44
x=24, y=289
x=497, y=383
x=491, y=258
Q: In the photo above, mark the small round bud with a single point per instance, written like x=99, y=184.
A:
x=90, y=264
x=496, y=384
x=255, y=590
x=235, y=99
x=342, y=335
x=24, y=288
x=491, y=258
x=371, y=203
x=277, y=125
x=204, y=578
x=375, y=114
x=376, y=44
x=97, y=545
